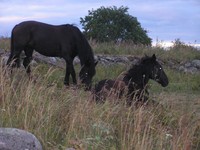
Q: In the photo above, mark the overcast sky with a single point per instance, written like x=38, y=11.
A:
x=165, y=20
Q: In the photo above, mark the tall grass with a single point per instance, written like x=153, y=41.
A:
x=178, y=52
x=67, y=117
x=5, y=43
x=62, y=117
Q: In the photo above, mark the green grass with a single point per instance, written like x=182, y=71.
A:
x=179, y=82
x=177, y=53
x=63, y=117
x=5, y=43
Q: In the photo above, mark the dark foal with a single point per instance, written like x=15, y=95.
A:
x=133, y=84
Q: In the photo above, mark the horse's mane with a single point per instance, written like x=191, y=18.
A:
x=134, y=70
x=143, y=60
x=71, y=25
x=85, y=52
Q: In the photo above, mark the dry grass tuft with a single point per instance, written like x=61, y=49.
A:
x=65, y=117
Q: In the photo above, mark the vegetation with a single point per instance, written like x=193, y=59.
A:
x=63, y=117
x=5, y=43
x=114, y=24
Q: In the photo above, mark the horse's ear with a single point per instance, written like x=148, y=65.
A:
x=153, y=57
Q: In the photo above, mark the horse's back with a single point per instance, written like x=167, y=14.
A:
x=109, y=88
x=49, y=40
x=42, y=31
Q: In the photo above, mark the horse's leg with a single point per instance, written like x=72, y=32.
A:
x=69, y=70
x=73, y=74
x=27, y=60
x=67, y=73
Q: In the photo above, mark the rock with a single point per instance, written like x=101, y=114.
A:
x=188, y=64
x=191, y=69
x=53, y=60
x=70, y=149
x=196, y=63
x=2, y=51
x=171, y=64
x=181, y=68
x=16, y=139
x=76, y=60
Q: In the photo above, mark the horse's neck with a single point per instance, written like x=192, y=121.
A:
x=137, y=77
x=85, y=53
x=86, y=59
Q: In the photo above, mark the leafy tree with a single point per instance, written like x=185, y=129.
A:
x=114, y=24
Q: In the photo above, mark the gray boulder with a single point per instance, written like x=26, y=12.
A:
x=16, y=139
x=196, y=63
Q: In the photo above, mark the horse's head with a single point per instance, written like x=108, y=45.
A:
x=156, y=71
x=86, y=74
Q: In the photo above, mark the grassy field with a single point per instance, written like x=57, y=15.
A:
x=63, y=117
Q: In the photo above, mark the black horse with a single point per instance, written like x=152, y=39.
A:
x=64, y=41
x=133, y=83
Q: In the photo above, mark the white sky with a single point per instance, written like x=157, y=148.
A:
x=164, y=20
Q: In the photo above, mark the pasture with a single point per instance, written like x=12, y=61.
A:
x=63, y=117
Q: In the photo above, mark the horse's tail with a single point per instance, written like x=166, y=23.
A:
x=11, y=49
x=12, y=41
x=14, y=58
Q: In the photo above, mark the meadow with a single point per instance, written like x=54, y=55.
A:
x=62, y=117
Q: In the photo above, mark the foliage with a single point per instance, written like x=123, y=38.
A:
x=4, y=43
x=178, y=44
x=175, y=53
x=114, y=24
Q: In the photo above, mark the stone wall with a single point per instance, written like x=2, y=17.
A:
x=185, y=66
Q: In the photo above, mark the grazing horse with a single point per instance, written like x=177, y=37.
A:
x=64, y=41
x=134, y=82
